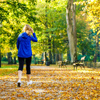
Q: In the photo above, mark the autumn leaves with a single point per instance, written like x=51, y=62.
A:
x=55, y=84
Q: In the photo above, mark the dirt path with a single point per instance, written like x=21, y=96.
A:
x=52, y=84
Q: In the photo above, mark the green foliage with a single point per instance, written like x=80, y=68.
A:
x=4, y=59
x=14, y=16
x=48, y=19
x=8, y=67
x=53, y=23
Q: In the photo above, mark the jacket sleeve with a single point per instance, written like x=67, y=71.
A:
x=34, y=38
x=18, y=43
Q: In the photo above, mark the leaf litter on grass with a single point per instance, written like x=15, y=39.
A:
x=52, y=84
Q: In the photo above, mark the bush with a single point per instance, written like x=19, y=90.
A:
x=4, y=59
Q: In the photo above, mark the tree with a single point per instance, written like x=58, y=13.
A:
x=52, y=21
x=14, y=16
x=71, y=29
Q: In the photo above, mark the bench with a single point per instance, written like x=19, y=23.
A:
x=79, y=63
x=40, y=62
x=61, y=63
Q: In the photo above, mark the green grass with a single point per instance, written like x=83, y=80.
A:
x=4, y=62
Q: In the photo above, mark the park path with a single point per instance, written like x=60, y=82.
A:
x=40, y=67
x=52, y=84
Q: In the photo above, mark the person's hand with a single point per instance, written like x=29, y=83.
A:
x=32, y=30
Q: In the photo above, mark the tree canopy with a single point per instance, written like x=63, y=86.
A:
x=48, y=19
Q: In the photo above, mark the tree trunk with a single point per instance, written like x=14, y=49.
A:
x=42, y=56
x=60, y=57
x=46, y=27
x=57, y=56
x=74, y=30
x=97, y=45
x=9, y=58
x=45, y=57
x=14, y=60
x=50, y=55
x=71, y=30
x=68, y=55
x=54, y=57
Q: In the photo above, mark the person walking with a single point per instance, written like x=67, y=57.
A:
x=24, y=52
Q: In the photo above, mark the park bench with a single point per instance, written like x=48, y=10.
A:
x=79, y=63
x=61, y=63
x=40, y=62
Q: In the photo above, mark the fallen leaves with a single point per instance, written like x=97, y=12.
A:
x=7, y=71
x=55, y=84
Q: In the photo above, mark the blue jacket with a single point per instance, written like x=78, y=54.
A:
x=24, y=44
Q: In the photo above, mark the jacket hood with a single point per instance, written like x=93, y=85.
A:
x=24, y=35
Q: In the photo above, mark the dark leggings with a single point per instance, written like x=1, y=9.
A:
x=28, y=63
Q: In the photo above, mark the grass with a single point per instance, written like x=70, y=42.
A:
x=8, y=66
x=8, y=69
x=4, y=62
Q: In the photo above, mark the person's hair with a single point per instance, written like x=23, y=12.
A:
x=27, y=29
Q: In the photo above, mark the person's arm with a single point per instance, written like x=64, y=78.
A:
x=34, y=38
x=17, y=43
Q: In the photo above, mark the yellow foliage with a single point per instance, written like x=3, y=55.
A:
x=92, y=10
